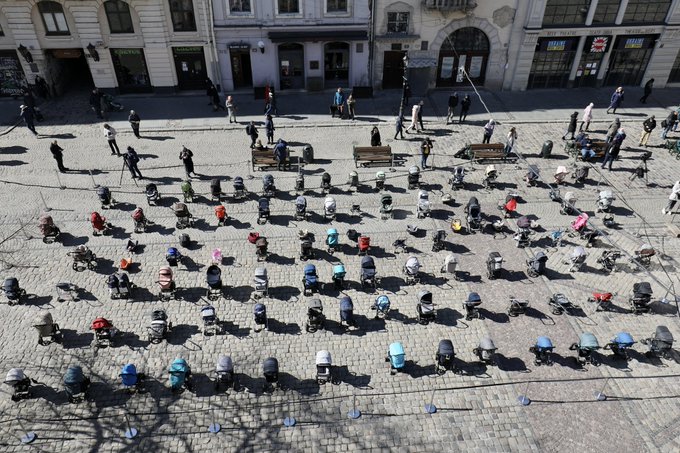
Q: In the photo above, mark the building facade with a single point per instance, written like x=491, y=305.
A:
x=292, y=44
x=120, y=46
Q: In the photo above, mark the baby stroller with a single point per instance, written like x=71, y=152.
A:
x=425, y=308
x=315, y=316
x=261, y=283
x=152, y=194
x=486, y=351
x=661, y=344
x=48, y=230
x=494, y=265
x=12, y=291
x=413, y=178
x=211, y=323
x=105, y=198
x=188, y=192
x=386, y=206
x=140, y=221
x=347, y=312
x=353, y=180
x=642, y=298
x=180, y=375
x=99, y=224
x=381, y=307
x=457, y=179
x=471, y=306
x=310, y=281
x=608, y=260
x=20, y=383
x=560, y=303
x=159, y=327
x=561, y=174
x=216, y=190
x=509, y=205
x=173, y=256
x=585, y=348
x=67, y=291
x=438, y=243
x=423, y=209
x=517, y=306
x=166, y=283
x=184, y=217
x=76, y=384
x=300, y=183
x=450, y=266
x=604, y=200
x=444, y=359
x=473, y=215
x=325, y=183
x=568, y=204
x=83, y=258
x=523, y=232
x=603, y=300
x=261, y=245
x=580, y=227
x=490, y=175
x=368, y=275
x=542, y=351
x=533, y=175
x=338, y=277
x=577, y=258
x=300, y=208
x=270, y=370
x=260, y=316
x=364, y=244
x=329, y=208
x=620, y=345
x=213, y=277
x=103, y=332
x=536, y=265
x=239, y=189
x=332, y=240
x=380, y=181
x=224, y=373
x=580, y=174
x=268, y=187
x=48, y=330
x=306, y=248
x=396, y=357
x=412, y=270
x=643, y=255
x=131, y=380
x=263, y=211
x=323, y=367
x=221, y=214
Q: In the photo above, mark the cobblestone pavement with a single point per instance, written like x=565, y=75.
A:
x=478, y=407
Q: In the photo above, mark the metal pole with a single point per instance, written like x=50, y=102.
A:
x=600, y=396
x=354, y=413
x=47, y=208
x=214, y=426
x=94, y=183
x=289, y=421
x=430, y=408
x=131, y=432
x=61, y=186
x=523, y=398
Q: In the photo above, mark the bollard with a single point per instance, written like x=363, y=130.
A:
x=289, y=421
x=47, y=208
x=430, y=408
x=28, y=437
x=523, y=399
x=214, y=426
x=130, y=432
x=61, y=186
x=354, y=413
x=600, y=396
x=94, y=183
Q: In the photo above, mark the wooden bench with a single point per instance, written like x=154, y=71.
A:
x=598, y=146
x=372, y=154
x=264, y=158
x=486, y=151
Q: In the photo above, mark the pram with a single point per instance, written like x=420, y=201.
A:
x=324, y=364
x=425, y=308
x=473, y=214
x=83, y=258
x=585, y=349
x=173, y=256
x=119, y=285
x=560, y=174
x=240, y=192
x=329, y=208
x=310, y=280
x=412, y=270
x=180, y=375
x=76, y=384
x=386, y=206
x=423, y=208
x=396, y=357
x=380, y=181
x=211, y=323
x=438, y=242
x=580, y=227
x=604, y=200
x=261, y=246
x=140, y=221
x=268, y=187
x=444, y=359
x=457, y=180
x=494, y=265
x=536, y=265
x=48, y=230
x=184, y=217
x=560, y=304
x=105, y=198
x=603, y=300
x=221, y=215
x=486, y=351
x=338, y=277
x=104, y=332
x=580, y=174
x=620, y=345
x=99, y=224
x=261, y=283
x=517, y=306
x=20, y=383
x=568, y=204
x=300, y=208
x=542, y=351
x=347, y=312
x=641, y=299
x=315, y=317
x=131, y=380
x=413, y=178
x=270, y=370
x=152, y=194
x=643, y=255
x=533, y=175
x=577, y=258
x=260, y=317
x=216, y=190
x=160, y=327
x=608, y=260
x=353, y=180
x=13, y=292
x=224, y=373
x=364, y=244
x=188, y=192
x=509, y=205
x=661, y=344
x=471, y=306
x=368, y=276
x=263, y=212
x=67, y=291
x=306, y=248
x=523, y=232
x=325, y=183
x=213, y=278
x=381, y=307
x=332, y=240
x=166, y=283
x=450, y=266
x=490, y=175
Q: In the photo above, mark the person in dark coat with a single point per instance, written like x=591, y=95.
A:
x=215, y=98
x=399, y=126
x=251, y=130
x=420, y=115
x=464, y=108
x=269, y=126
x=453, y=103
x=425, y=150
x=281, y=154
x=647, y=127
x=27, y=114
x=407, y=93
x=375, y=137
x=612, y=130
x=96, y=103
x=131, y=159
x=616, y=100
x=668, y=123
x=647, y=90
x=134, y=123
x=571, y=129
x=186, y=156
x=613, y=149
x=58, y=154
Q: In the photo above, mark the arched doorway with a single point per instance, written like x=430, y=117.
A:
x=336, y=64
x=468, y=48
x=292, y=65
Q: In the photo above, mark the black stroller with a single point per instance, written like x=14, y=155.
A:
x=47, y=329
x=224, y=373
x=368, y=275
x=268, y=187
x=152, y=194
x=413, y=178
x=486, y=351
x=263, y=211
x=580, y=174
x=438, y=240
x=213, y=277
x=661, y=344
x=386, y=208
x=260, y=316
x=425, y=308
x=270, y=370
x=159, y=327
x=494, y=265
x=261, y=246
x=300, y=208
x=473, y=215
x=533, y=175
x=517, y=306
x=523, y=232
x=542, y=351
x=20, y=383
x=105, y=197
x=585, y=348
x=536, y=265
x=216, y=190
x=642, y=298
x=347, y=312
x=607, y=260
x=560, y=303
x=444, y=359
x=240, y=192
x=325, y=183
x=471, y=306
x=300, y=183
x=13, y=292
x=315, y=317
x=306, y=248
x=310, y=280
x=76, y=384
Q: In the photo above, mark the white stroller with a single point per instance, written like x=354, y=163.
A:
x=577, y=258
x=329, y=208
x=261, y=283
x=568, y=206
x=412, y=270
x=561, y=174
x=211, y=323
x=413, y=178
x=604, y=200
x=490, y=175
x=458, y=178
x=324, y=366
x=450, y=266
x=423, y=204
x=20, y=383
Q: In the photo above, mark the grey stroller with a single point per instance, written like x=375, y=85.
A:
x=661, y=344
x=224, y=373
x=577, y=258
x=412, y=271
x=261, y=283
x=486, y=351
x=48, y=330
x=20, y=383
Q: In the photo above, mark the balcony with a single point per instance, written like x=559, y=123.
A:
x=450, y=5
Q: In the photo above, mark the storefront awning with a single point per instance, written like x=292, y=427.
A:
x=322, y=35
x=422, y=63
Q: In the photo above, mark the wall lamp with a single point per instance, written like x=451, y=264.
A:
x=25, y=53
x=260, y=44
x=93, y=52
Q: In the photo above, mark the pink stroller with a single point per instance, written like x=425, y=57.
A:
x=579, y=227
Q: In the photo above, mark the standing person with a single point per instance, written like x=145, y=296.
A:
x=587, y=117
x=351, y=104
x=215, y=98
x=375, y=137
x=131, y=159
x=407, y=93
x=453, y=103
x=672, y=198
x=104, y=107
x=339, y=102
x=612, y=130
x=420, y=115
x=42, y=87
x=510, y=141
x=647, y=90
x=269, y=127
x=613, y=149
x=488, y=130
x=95, y=102
x=647, y=127
x=110, y=134
x=281, y=154
x=251, y=130
x=272, y=102
x=668, y=123
x=677, y=116
x=616, y=100
x=571, y=129
x=414, y=118
x=134, y=122
x=27, y=115
x=58, y=154
x=399, y=126
x=425, y=150
x=186, y=156
x=208, y=89
x=464, y=108
x=231, y=109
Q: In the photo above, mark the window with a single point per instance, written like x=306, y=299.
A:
x=566, y=12
x=675, y=71
x=53, y=17
x=336, y=6
x=552, y=62
x=1, y=32
x=118, y=14
x=289, y=7
x=424, y=45
x=239, y=6
x=182, y=12
x=646, y=11
x=397, y=22
x=606, y=11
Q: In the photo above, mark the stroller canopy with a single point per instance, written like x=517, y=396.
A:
x=490, y=170
x=544, y=343
x=367, y=262
x=129, y=375
x=104, y=193
x=445, y=347
x=329, y=203
x=213, y=275
x=423, y=196
x=301, y=202
x=561, y=171
x=380, y=175
x=326, y=177
x=323, y=358
x=315, y=304
x=238, y=183
x=588, y=341
x=259, y=309
x=332, y=232
x=473, y=299
x=186, y=187
x=524, y=222
x=261, y=242
x=267, y=179
x=43, y=318
x=180, y=209
x=663, y=334
x=643, y=288
x=74, y=375
x=178, y=366
x=159, y=315
x=459, y=172
x=624, y=339
x=215, y=187
x=224, y=364
x=208, y=312
x=14, y=375
x=425, y=297
x=414, y=170
x=382, y=302
x=309, y=270
x=10, y=285
x=346, y=304
x=46, y=220
x=606, y=195
x=473, y=208
x=270, y=366
x=339, y=271
x=151, y=189
x=386, y=200
x=263, y=204
x=397, y=354
x=261, y=274
x=487, y=344
x=569, y=197
x=540, y=257
x=579, y=253
x=101, y=323
x=412, y=265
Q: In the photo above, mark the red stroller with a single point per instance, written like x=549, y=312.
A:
x=103, y=332
x=99, y=224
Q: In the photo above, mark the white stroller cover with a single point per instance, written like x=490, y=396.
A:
x=323, y=358
x=301, y=201
x=380, y=176
x=490, y=170
x=224, y=364
x=414, y=170
x=578, y=254
x=561, y=171
x=14, y=376
x=606, y=195
x=459, y=172
x=44, y=319
x=329, y=204
x=646, y=250
x=208, y=312
x=450, y=264
x=570, y=197
x=423, y=196
x=412, y=265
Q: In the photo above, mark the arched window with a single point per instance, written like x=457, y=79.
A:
x=118, y=15
x=465, y=51
x=468, y=39
x=53, y=17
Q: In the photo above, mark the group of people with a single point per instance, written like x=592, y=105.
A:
x=343, y=106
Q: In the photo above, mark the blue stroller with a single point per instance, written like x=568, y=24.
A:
x=311, y=280
x=263, y=212
x=131, y=380
x=224, y=373
x=173, y=256
x=339, y=273
x=381, y=307
x=180, y=375
x=332, y=240
x=347, y=312
x=76, y=384
x=270, y=370
x=368, y=276
x=471, y=306
x=620, y=345
x=396, y=357
x=542, y=351
x=444, y=358
x=260, y=314
x=585, y=348
x=268, y=187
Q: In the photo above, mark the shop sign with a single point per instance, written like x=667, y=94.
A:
x=239, y=46
x=179, y=50
x=599, y=44
x=634, y=43
x=120, y=52
x=66, y=53
x=556, y=46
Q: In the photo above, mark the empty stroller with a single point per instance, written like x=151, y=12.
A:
x=159, y=327
x=173, y=256
x=473, y=214
x=643, y=255
x=517, y=306
x=221, y=215
x=99, y=224
x=458, y=178
x=494, y=265
x=423, y=208
x=608, y=260
x=560, y=174
x=396, y=357
x=239, y=189
x=184, y=217
x=224, y=373
x=300, y=208
x=188, y=192
x=412, y=270
x=12, y=291
x=542, y=351
x=103, y=332
x=661, y=344
x=261, y=246
x=211, y=323
x=509, y=205
x=533, y=175
x=332, y=240
x=152, y=194
x=20, y=383
x=131, y=380
x=76, y=384
x=310, y=281
x=444, y=359
x=490, y=175
x=580, y=174
x=560, y=303
x=140, y=220
x=325, y=183
x=604, y=200
x=105, y=198
x=577, y=258
x=471, y=306
x=180, y=375
x=425, y=308
x=364, y=244
x=83, y=258
x=119, y=285
x=300, y=183
x=353, y=180
x=413, y=178
x=166, y=283
x=268, y=187
x=450, y=266
x=486, y=351
x=620, y=345
x=368, y=275
x=213, y=278
x=568, y=204
x=260, y=317
x=324, y=365
x=270, y=370
x=380, y=181
x=386, y=206
x=315, y=317
x=381, y=307
x=642, y=298
x=438, y=242
x=306, y=248
x=580, y=227
x=67, y=291
x=347, y=312
x=536, y=265
x=338, y=277
x=329, y=208
x=603, y=300
x=523, y=234
x=263, y=212
x=216, y=190
x=585, y=348
x=48, y=230
x=261, y=283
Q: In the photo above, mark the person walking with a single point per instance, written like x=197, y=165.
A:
x=110, y=134
x=571, y=129
x=251, y=130
x=425, y=150
x=587, y=117
x=399, y=126
x=375, y=137
x=613, y=149
x=270, y=106
x=58, y=154
x=186, y=156
x=488, y=130
x=131, y=159
x=616, y=100
x=231, y=109
x=28, y=116
x=647, y=91
x=339, y=102
x=215, y=98
x=407, y=93
x=672, y=198
x=420, y=115
x=134, y=123
x=95, y=103
x=414, y=118
x=510, y=141
x=668, y=123
x=464, y=108
x=351, y=104
x=453, y=103
x=612, y=130
x=647, y=127
x=269, y=128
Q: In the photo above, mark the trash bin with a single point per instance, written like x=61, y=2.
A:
x=547, y=149
x=308, y=154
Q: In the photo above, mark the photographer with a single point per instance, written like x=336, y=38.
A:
x=647, y=127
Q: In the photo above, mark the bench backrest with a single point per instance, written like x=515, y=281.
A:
x=486, y=146
x=373, y=149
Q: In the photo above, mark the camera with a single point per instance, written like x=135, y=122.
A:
x=646, y=156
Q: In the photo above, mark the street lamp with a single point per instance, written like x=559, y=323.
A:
x=403, y=87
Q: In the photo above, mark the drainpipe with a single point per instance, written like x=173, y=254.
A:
x=371, y=41
x=214, y=59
